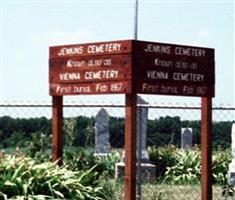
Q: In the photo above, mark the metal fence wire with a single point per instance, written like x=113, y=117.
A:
x=164, y=126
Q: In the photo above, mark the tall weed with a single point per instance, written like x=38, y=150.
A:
x=23, y=177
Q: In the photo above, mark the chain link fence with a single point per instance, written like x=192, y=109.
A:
x=163, y=129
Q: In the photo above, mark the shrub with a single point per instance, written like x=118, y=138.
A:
x=162, y=157
x=220, y=163
x=187, y=168
x=22, y=178
x=106, y=164
x=39, y=143
x=180, y=166
x=80, y=159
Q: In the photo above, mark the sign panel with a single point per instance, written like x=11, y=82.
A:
x=90, y=75
x=92, y=68
x=145, y=67
x=173, y=62
x=171, y=69
x=142, y=48
x=175, y=76
x=80, y=62
x=174, y=89
x=116, y=87
x=99, y=48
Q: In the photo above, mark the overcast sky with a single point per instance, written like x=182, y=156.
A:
x=28, y=28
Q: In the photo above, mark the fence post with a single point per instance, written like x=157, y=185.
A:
x=139, y=151
x=206, y=143
x=130, y=147
x=57, y=128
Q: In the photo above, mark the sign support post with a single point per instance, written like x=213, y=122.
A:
x=57, y=128
x=130, y=147
x=206, y=145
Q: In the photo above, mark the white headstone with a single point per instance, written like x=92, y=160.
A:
x=102, y=144
x=231, y=172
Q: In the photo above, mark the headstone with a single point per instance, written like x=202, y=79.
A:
x=142, y=118
x=148, y=170
x=102, y=144
x=186, y=138
x=231, y=172
x=141, y=129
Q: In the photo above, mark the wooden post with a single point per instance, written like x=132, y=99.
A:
x=57, y=128
x=206, y=146
x=130, y=147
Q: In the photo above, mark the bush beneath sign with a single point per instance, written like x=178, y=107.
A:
x=23, y=178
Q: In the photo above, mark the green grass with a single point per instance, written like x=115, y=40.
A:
x=83, y=159
x=171, y=192
x=21, y=177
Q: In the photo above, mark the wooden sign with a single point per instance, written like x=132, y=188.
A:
x=173, y=62
x=149, y=68
x=132, y=67
x=143, y=48
x=90, y=75
x=175, y=76
x=170, y=69
x=92, y=68
x=174, y=89
x=115, y=87
x=80, y=62
x=99, y=48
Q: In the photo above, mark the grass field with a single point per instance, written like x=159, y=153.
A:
x=172, y=192
x=157, y=191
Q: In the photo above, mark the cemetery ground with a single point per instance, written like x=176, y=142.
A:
x=28, y=173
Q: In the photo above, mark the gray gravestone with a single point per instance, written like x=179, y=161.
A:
x=141, y=129
x=231, y=172
x=186, y=138
x=147, y=169
x=142, y=118
x=102, y=144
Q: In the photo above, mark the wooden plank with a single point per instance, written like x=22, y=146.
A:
x=114, y=87
x=80, y=62
x=98, y=48
x=57, y=127
x=86, y=75
x=130, y=147
x=175, y=62
x=164, y=75
x=171, y=69
x=143, y=48
x=206, y=146
x=174, y=89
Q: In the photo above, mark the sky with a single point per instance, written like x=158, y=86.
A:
x=29, y=27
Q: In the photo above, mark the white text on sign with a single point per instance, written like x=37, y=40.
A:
x=178, y=50
x=89, y=75
x=90, y=49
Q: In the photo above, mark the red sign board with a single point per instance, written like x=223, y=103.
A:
x=174, y=89
x=170, y=69
x=133, y=67
x=143, y=48
x=173, y=62
x=80, y=62
x=90, y=75
x=136, y=66
x=99, y=48
x=115, y=87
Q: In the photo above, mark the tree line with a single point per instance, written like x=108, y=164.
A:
x=79, y=131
